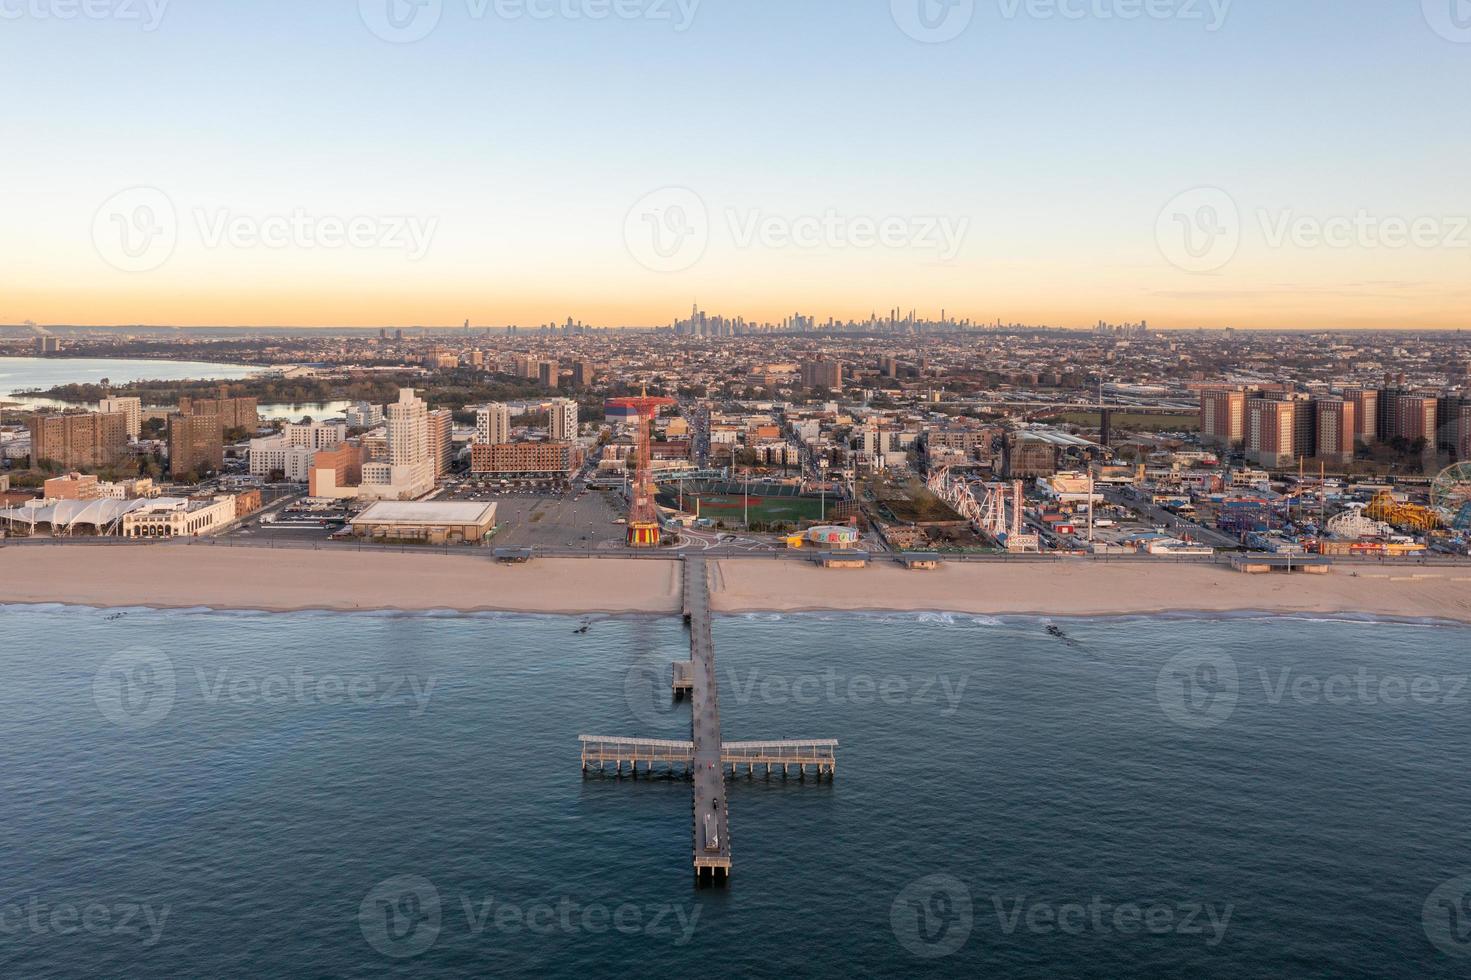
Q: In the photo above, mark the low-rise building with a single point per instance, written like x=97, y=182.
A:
x=429, y=522
x=180, y=518
x=337, y=472
x=72, y=486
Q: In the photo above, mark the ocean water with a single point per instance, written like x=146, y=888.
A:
x=209, y=794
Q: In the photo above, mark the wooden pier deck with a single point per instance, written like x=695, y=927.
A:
x=706, y=757
x=683, y=681
x=677, y=756
x=711, y=811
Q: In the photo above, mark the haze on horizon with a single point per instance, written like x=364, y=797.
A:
x=1205, y=163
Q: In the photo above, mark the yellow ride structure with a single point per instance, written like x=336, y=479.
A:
x=1402, y=515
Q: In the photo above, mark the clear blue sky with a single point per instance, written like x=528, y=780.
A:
x=1058, y=140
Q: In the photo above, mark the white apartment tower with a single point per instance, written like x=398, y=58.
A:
x=132, y=408
x=409, y=471
x=493, y=424
x=563, y=424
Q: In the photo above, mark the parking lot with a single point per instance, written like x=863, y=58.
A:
x=559, y=522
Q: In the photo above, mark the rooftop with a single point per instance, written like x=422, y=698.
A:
x=427, y=512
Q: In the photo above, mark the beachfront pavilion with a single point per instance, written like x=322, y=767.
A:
x=100, y=516
x=429, y=522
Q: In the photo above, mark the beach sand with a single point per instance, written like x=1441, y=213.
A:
x=1084, y=588
x=182, y=576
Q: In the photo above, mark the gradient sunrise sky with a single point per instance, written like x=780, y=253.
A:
x=1262, y=163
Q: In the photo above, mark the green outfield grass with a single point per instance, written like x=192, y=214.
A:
x=730, y=508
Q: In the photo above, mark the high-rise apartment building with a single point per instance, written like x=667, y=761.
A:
x=562, y=422
x=196, y=444
x=1271, y=428
x=549, y=373
x=441, y=439
x=822, y=374
x=408, y=472
x=233, y=412
x=131, y=408
x=364, y=415
x=1223, y=418
x=493, y=424
x=1366, y=413
x=79, y=440
x=1462, y=425
x=1337, y=430
x=1409, y=417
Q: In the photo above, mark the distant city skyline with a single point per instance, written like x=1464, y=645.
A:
x=349, y=165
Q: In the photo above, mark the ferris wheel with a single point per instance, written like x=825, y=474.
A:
x=1450, y=493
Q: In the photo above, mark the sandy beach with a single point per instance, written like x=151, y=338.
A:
x=1092, y=589
x=179, y=576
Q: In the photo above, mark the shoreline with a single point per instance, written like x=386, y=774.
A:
x=389, y=612
x=184, y=577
